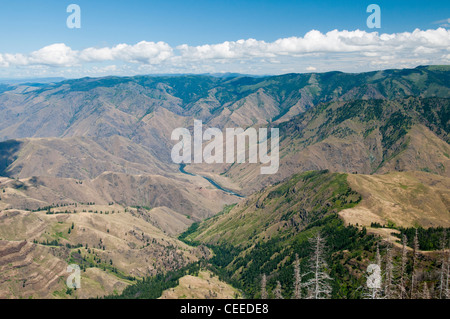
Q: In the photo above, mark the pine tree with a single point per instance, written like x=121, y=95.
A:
x=297, y=279
x=319, y=285
x=278, y=291
x=263, y=287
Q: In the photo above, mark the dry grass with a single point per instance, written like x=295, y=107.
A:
x=407, y=199
x=204, y=286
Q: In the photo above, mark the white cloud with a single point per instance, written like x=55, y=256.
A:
x=57, y=54
x=142, y=52
x=316, y=42
x=343, y=50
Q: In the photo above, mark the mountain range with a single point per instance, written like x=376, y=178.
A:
x=87, y=176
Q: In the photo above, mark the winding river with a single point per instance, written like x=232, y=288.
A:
x=212, y=182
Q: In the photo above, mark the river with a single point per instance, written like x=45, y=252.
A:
x=211, y=181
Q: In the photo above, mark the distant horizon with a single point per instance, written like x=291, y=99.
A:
x=217, y=74
x=51, y=38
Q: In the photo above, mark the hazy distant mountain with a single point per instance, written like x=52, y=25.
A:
x=31, y=80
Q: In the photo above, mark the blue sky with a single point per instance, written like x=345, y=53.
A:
x=28, y=26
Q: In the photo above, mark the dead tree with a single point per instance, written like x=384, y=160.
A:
x=389, y=272
x=402, y=282
x=443, y=268
x=319, y=285
x=278, y=292
x=414, y=266
x=297, y=279
x=263, y=287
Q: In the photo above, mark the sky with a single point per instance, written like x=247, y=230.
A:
x=208, y=36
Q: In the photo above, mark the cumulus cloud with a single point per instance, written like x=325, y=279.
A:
x=349, y=48
x=142, y=52
x=61, y=55
x=316, y=42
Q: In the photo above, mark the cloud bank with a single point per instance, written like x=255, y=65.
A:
x=344, y=50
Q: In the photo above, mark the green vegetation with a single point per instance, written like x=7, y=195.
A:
x=429, y=238
x=153, y=287
x=301, y=206
x=242, y=267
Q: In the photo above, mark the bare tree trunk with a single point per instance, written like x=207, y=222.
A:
x=389, y=275
x=319, y=286
x=402, y=285
x=414, y=270
x=373, y=282
x=446, y=266
x=443, y=270
x=378, y=256
x=425, y=291
x=278, y=291
x=447, y=280
x=263, y=287
x=297, y=279
x=376, y=291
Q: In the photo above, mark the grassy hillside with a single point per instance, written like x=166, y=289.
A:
x=279, y=211
x=407, y=199
x=263, y=234
x=113, y=247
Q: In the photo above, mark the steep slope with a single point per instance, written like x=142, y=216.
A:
x=113, y=246
x=372, y=136
x=280, y=210
x=150, y=191
x=78, y=157
x=262, y=234
x=125, y=106
x=407, y=199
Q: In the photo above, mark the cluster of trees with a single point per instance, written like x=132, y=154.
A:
x=318, y=286
x=398, y=274
x=153, y=287
x=401, y=273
